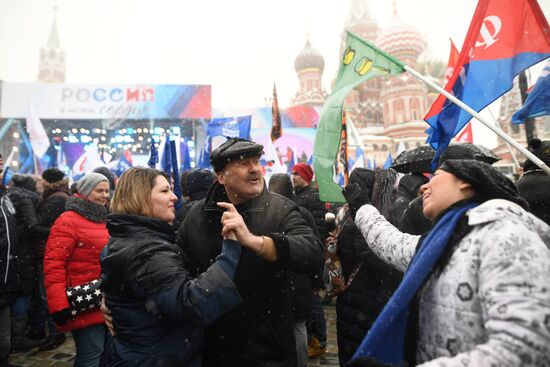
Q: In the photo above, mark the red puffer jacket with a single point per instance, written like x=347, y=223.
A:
x=72, y=257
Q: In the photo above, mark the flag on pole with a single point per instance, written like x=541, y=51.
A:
x=153, y=155
x=389, y=161
x=124, y=163
x=185, y=156
x=175, y=173
x=499, y=44
x=38, y=137
x=276, y=127
x=359, y=159
x=360, y=61
x=466, y=135
x=538, y=100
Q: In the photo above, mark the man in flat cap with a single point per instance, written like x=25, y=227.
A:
x=259, y=332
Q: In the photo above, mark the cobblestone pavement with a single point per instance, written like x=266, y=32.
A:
x=63, y=356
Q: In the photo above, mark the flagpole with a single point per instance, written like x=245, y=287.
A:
x=466, y=108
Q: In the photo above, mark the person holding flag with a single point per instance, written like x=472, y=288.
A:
x=475, y=289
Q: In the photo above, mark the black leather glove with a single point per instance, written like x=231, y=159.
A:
x=356, y=197
x=62, y=317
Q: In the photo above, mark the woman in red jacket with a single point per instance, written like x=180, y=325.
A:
x=72, y=258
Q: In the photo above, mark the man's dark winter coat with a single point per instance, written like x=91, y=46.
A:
x=25, y=202
x=8, y=244
x=308, y=197
x=49, y=209
x=259, y=332
x=301, y=285
x=364, y=299
x=164, y=327
x=534, y=186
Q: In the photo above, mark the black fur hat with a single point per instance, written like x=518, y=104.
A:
x=53, y=175
x=539, y=148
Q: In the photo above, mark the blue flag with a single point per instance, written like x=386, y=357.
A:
x=175, y=173
x=166, y=160
x=538, y=101
x=228, y=127
x=389, y=161
x=153, y=156
x=125, y=162
x=6, y=177
x=185, y=157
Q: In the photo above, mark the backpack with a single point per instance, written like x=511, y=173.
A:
x=333, y=276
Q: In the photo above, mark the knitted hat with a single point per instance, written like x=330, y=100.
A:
x=234, y=149
x=487, y=182
x=87, y=183
x=24, y=181
x=107, y=173
x=53, y=175
x=199, y=182
x=304, y=170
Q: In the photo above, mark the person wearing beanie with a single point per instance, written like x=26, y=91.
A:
x=198, y=183
x=54, y=196
x=300, y=285
x=302, y=173
x=535, y=183
x=475, y=290
x=307, y=196
x=260, y=330
x=25, y=200
x=110, y=176
x=53, y=175
x=71, y=258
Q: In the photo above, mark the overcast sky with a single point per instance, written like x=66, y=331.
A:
x=240, y=47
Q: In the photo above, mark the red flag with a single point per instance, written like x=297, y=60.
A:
x=466, y=135
x=504, y=38
x=453, y=60
x=276, y=127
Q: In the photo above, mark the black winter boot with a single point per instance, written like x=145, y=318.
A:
x=19, y=340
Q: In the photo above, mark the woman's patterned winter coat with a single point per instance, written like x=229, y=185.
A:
x=490, y=305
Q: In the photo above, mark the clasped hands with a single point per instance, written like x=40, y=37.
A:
x=234, y=228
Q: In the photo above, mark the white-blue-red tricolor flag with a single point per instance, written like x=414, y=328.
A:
x=504, y=38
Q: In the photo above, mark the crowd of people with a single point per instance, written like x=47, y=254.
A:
x=441, y=269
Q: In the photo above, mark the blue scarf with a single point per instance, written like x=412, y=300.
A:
x=385, y=340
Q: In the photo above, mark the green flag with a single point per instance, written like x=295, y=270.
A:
x=361, y=61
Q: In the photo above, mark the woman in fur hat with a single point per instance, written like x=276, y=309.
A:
x=475, y=291
x=71, y=259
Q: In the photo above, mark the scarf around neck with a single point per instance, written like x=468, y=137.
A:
x=386, y=339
